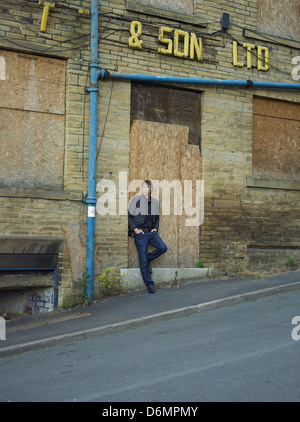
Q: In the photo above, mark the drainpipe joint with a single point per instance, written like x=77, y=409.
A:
x=90, y=200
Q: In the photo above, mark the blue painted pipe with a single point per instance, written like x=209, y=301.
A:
x=91, y=198
x=104, y=74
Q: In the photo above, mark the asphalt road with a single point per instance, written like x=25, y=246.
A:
x=239, y=353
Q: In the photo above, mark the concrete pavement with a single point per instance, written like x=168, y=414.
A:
x=139, y=308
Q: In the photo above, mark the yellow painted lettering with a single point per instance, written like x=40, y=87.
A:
x=163, y=40
x=249, y=48
x=262, y=51
x=186, y=40
x=195, y=46
x=234, y=55
x=47, y=5
x=136, y=32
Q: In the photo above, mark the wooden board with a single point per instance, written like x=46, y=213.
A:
x=189, y=237
x=160, y=152
x=32, y=121
x=32, y=83
x=279, y=18
x=276, y=135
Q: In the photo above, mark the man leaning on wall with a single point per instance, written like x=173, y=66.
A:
x=143, y=225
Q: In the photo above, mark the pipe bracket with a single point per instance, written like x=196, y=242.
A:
x=103, y=74
x=89, y=200
x=92, y=88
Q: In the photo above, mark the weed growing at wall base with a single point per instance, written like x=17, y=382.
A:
x=80, y=286
x=111, y=284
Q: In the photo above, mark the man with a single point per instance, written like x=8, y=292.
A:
x=143, y=223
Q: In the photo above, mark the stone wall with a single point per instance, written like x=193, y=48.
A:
x=41, y=195
x=241, y=211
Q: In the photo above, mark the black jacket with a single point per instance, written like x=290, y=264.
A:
x=137, y=211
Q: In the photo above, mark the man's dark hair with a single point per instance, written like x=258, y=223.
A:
x=148, y=182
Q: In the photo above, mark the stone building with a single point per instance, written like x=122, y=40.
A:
x=226, y=122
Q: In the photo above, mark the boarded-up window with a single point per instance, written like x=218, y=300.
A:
x=280, y=17
x=180, y=6
x=276, y=140
x=167, y=105
x=165, y=122
x=32, y=121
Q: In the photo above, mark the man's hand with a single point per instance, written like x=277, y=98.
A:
x=154, y=230
x=138, y=231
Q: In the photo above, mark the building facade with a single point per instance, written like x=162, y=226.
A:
x=225, y=123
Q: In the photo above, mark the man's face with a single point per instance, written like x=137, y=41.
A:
x=146, y=190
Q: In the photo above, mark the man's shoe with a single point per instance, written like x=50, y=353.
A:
x=151, y=288
x=149, y=268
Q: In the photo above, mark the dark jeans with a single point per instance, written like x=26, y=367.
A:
x=142, y=241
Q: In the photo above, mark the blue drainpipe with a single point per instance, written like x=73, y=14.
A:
x=90, y=200
x=104, y=74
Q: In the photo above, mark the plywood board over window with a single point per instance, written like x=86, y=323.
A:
x=32, y=121
x=180, y=6
x=276, y=140
x=165, y=121
x=280, y=18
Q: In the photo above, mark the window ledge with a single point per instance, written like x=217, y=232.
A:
x=248, y=33
x=165, y=14
x=40, y=194
x=252, y=182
